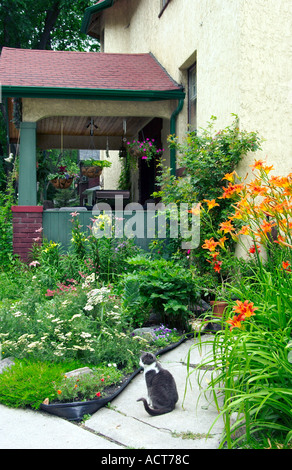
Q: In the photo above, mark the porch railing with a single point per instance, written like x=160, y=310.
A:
x=57, y=225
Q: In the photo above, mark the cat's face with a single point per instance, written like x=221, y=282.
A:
x=146, y=359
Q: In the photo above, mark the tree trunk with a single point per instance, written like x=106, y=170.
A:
x=51, y=18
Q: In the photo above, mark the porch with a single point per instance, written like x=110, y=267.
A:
x=52, y=97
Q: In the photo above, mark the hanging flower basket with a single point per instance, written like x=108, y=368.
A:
x=136, y=151
x=63, y=175
x=146, y=150
x=93, y=168
x=62, y=183
x=91, y=171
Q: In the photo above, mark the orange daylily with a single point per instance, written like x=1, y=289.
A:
x=246, y=308
x=254, y=248
x=217, y=266
x=237, y=215
x=211, y=203
x=221, y=241
x=227, y=227
x=244, y=230
x=230, y=176
x=285, y=264
x=243, y=205
x=280, y=181
x=210, y=244
x=257, y=189
x=235, y=322
x=266, y=226
x=288, y=191
x=195, y=210
x=231, y=190
x=260, y=165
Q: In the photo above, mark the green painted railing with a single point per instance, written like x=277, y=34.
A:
x=57, y=225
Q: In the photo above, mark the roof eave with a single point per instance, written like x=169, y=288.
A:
x=91, y=11
x=90, y=93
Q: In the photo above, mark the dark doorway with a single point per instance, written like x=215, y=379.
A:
x=148, y=170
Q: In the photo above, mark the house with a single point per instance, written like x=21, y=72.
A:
x=164, y=66
x=230, y=56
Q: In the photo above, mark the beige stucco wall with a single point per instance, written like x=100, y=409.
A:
x=243, y=50
x=265, y=88
x=34, y=109
x=110, y=176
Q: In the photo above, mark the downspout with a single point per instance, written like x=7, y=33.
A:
x=173, y=132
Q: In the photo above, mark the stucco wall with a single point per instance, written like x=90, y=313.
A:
x=34, y=109
x=243, y=50
x=266, y=77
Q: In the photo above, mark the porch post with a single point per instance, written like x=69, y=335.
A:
x=27, y=183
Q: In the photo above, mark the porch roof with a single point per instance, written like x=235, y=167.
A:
x=89, y=75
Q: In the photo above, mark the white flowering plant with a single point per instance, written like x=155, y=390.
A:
x=73, y=322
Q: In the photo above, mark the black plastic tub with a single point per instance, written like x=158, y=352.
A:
x=76, y=410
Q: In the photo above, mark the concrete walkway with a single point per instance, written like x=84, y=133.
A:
x=125, y=424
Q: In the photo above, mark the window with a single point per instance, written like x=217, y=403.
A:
x=101, y=41
x=163, y=5
x=192, y=98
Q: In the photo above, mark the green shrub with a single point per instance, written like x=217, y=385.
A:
x=165, y=287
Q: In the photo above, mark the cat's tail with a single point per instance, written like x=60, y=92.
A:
x=154, y=411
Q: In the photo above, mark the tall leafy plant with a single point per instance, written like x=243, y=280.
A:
x=6, y=201
x=163, y=286
x=205, y=157
x=252, y=355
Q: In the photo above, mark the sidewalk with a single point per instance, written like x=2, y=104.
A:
x=125, y=423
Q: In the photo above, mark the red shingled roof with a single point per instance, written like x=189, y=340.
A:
x=92, y=70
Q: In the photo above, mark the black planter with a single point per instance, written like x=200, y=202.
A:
x=76, y=410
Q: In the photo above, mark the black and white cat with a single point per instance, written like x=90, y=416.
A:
x=161, y=386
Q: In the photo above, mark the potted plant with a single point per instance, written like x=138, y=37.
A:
x=219, y=305
x=64, y=175
x=93, y=168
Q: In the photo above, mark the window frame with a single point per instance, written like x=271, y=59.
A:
x=192, y=100
x=163, y=5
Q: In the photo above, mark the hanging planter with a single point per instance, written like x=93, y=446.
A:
x=91, y=171
x=93, y=168
x=62, y=183
x=146, y=150
x=64, y=175
x=136, y=151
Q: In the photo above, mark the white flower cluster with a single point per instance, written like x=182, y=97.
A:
x=89, y=280
x=58, y=336
x=95, y=297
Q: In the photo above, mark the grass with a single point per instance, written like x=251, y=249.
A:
x=29, y=383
